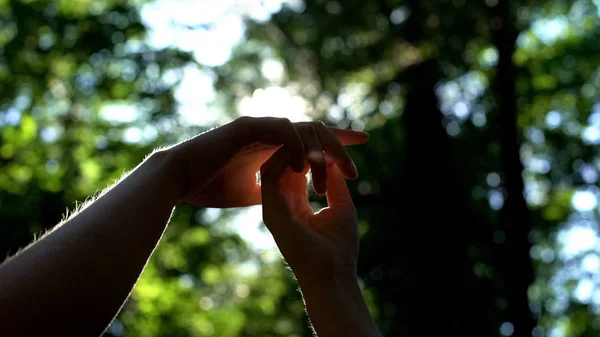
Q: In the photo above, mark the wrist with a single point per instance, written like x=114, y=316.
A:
x=172, y=169
x=334, y=267
x=340, y=285
x=214, y=147
x=336, y=307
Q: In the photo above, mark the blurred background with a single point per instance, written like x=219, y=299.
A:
x=478, y=189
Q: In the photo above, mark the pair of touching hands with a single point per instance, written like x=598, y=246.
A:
x=86, y=267
x=218, y=169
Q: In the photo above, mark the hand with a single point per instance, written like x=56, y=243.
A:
x=317, y=246
x=219, y=167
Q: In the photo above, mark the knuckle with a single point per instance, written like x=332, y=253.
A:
x=315, y=156
x=245, y=119
x=247, y=122
x=317, y=124
x=284, y=121
x=313, y=132
x=243, y=124
x=320, y=128
x=303, y=125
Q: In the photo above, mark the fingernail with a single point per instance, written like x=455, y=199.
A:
x=320, y=189
x=354, y=171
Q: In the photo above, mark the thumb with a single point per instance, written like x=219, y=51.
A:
x=274, y=205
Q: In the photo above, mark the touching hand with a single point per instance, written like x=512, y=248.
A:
x=317, y=246
x=218, y=168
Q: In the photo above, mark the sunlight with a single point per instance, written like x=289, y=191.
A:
x=274, y=102
x=551, y=29
x=577, y=240
x=210, y=30
x=584, y=201
x=119, y=113
x=248, y=224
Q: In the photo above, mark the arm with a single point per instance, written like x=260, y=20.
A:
x=85, y=269
x=336, y=307
x=321, y=248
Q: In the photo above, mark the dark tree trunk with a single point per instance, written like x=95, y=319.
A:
x=422, y=228
x=515, y=220
x=440, y=226
x=416, y=255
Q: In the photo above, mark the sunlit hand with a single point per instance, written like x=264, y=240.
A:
x=219, y=167
x=317, y=246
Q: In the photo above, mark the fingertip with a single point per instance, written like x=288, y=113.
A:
x=319, y=186
x=299, y=165
x=297, y=159
x=349, y=173
x=351, y=137
x=353, y=170
x=364, y=137
x=348, y=169
x=321, y=191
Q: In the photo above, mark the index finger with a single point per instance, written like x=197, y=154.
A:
x=349, y=137
x=279, y=131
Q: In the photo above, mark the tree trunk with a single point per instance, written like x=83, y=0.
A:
x=515, y=220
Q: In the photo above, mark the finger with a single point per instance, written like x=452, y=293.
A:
x=274, y=205
x=279, y=131
x=334, y=148
x=255, y=196
x=349, y=137
x=338, y=195
x=294, y=189
x=315, y=157
x=284, y=199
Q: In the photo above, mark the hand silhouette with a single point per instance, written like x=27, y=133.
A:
x=317, y=246
x=219, y=167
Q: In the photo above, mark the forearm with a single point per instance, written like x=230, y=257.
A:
x=337, y=308
x=85, y=269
